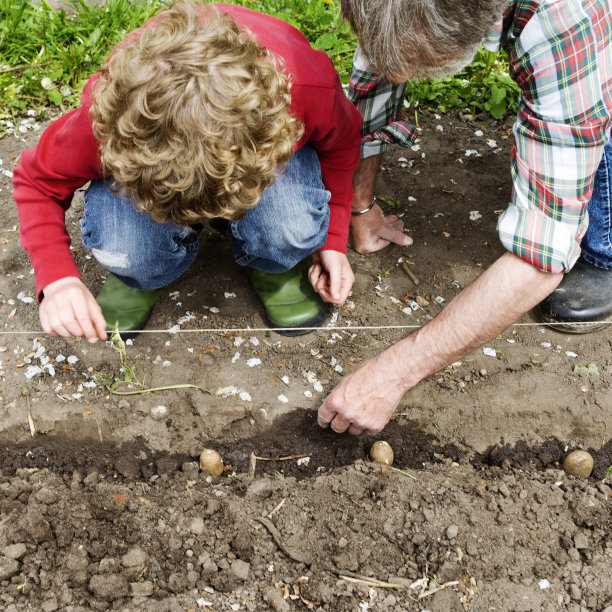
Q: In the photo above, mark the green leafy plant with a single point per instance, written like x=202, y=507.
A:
x=485, y=85
x=395, y=204
x=129, y=373
x=320, y=22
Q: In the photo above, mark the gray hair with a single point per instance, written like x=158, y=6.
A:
x=420, y=37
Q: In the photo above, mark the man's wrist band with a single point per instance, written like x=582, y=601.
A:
x=365, y=210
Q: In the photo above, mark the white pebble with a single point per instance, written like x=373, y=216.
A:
x=544, y=584
x=159, y=412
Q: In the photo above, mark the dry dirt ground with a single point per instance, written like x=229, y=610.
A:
x=104, y=507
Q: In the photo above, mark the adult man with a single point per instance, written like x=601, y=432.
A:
x=560, y=55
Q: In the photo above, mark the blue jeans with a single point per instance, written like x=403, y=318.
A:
x=597, y=242
x=289, y=223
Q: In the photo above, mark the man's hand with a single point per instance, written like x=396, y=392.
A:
x=372, y=231
x=69, y=309
x=365, y=398
x=331, y=276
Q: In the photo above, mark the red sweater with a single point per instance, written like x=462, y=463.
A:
x=66, y=156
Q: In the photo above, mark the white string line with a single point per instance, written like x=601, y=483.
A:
x=223, y=330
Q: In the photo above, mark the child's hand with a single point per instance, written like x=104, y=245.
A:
x=69, y=309
x=331, y=276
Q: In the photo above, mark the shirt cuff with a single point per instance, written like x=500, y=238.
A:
x=396, y=132
x=549, y=245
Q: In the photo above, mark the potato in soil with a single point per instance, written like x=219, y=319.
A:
x=381, y=452
x=211, y=462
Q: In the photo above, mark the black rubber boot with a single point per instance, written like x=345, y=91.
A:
x=582, y=302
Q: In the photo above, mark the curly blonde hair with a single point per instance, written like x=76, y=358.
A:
x=192, y=116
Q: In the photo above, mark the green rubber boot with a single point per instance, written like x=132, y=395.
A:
x=289, y=299
x=127, y=306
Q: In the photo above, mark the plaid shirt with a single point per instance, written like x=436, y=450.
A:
x=560, y=55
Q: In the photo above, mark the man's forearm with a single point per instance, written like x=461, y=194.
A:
x=364, y=180
x=504, y=292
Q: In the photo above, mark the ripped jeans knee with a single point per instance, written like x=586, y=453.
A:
x=140, y=252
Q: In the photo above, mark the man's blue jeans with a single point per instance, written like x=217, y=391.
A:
x=597, y=242
x=289, y=223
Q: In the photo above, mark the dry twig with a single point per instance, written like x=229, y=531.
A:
x=23, y=67
x=289, y=458
x=439, y=588
x=252, y=467
x=410, y=273
x=277, y=507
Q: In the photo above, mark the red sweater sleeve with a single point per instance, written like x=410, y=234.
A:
x=45, y=181
x=332, y=129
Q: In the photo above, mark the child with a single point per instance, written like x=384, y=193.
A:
x=207, y=111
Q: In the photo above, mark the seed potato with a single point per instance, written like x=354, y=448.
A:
x=578, y=463
x=381, y=452
x=211, y=462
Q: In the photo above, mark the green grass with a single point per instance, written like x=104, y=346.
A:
x=46, y=56
x=63, y=48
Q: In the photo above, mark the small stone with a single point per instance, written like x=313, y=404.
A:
x=581, y=541
x=574, y=592
x=8, y=568
x=49, y=605
x=390, y=600
x=110, y=586
x=452, y=531
x=274, y=597
x=503, y=489
x=241, y=569
x=14, y=551
x=342, y=543
x=141, y=589
x=134, y=558
x=108, y=565
x=197, y=525
x=91, y=478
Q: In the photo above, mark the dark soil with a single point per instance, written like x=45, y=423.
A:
x=105, y=507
